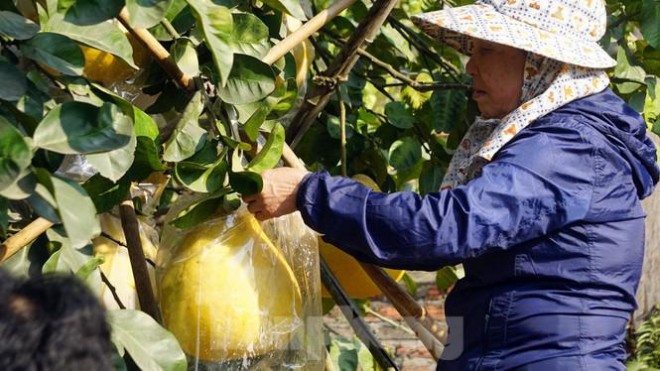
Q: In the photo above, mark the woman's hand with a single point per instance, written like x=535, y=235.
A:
x=278, y=196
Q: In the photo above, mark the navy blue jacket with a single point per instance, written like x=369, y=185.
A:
x=551, y=235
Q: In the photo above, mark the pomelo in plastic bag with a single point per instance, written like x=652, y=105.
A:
x=227, y=292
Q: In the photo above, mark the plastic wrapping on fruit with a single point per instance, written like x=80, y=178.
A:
x=227, y=292
x=117, y=266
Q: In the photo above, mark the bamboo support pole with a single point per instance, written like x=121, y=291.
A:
x=305, y=31
x=353, y=316
x=157, y=51
x=131, y=228
x=23, y=237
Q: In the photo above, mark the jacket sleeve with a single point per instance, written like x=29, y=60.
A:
x=515, y=199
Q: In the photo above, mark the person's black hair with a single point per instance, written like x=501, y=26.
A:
x=52, y=322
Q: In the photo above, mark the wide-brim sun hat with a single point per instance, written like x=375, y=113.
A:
x=564, y=30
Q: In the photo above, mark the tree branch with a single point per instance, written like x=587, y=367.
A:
x=405, y=79
x=420, y=44
x=113, y=290
x=339, y=69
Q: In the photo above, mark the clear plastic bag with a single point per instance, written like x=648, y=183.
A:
x=235, y=300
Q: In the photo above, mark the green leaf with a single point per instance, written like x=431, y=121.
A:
x=43, y=203
x=343, y=353
x=77, y=127
x=334, y=128
x=114, y=164
x=15, y=154
x=105, y=193
x=105, y=36
x=188, y=137
x=246, y=182
x=16, y=26
x=249, y=35
x=150, y=345
x=398, y=41
x=446, y=277
x=200, y=210
x=14, y=84
x=200, y=178
x=431, y=177
x=22, y=187
x=56, y=51
x=271, y=152
x=291, y=7
x=217, y=25
x=89, y=267
x=446, y=108
x=652, y=103
x=626, y=71
x=249, y=81
x=147, y=13
x=65, y=260
x=411, y=284
x=367, y=122
x=76, y=210
x=89, y=12
x=282, y=99
x=405, y=153
x=650, y=22
x=184, y=54
x=253, y=124
x=146, y=157
x=399, y=115
x=21, y=263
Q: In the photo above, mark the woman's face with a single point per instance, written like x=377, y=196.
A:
x=497, y=72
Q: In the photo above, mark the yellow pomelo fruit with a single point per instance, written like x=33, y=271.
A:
x=104, y=67
x=107, y=68
x=353, y=279
x=117, y=265
x=229, y=293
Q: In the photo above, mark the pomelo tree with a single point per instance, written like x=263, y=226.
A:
x=126, y=104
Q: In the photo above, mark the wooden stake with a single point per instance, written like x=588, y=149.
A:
x=131, y=228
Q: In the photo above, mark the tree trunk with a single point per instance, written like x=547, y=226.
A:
x=648, y=293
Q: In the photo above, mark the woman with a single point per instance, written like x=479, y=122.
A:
x=541, y=202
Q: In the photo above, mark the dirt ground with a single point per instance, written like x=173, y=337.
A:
x=391, y=330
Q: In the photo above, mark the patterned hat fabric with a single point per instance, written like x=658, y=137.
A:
x=567, y=31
